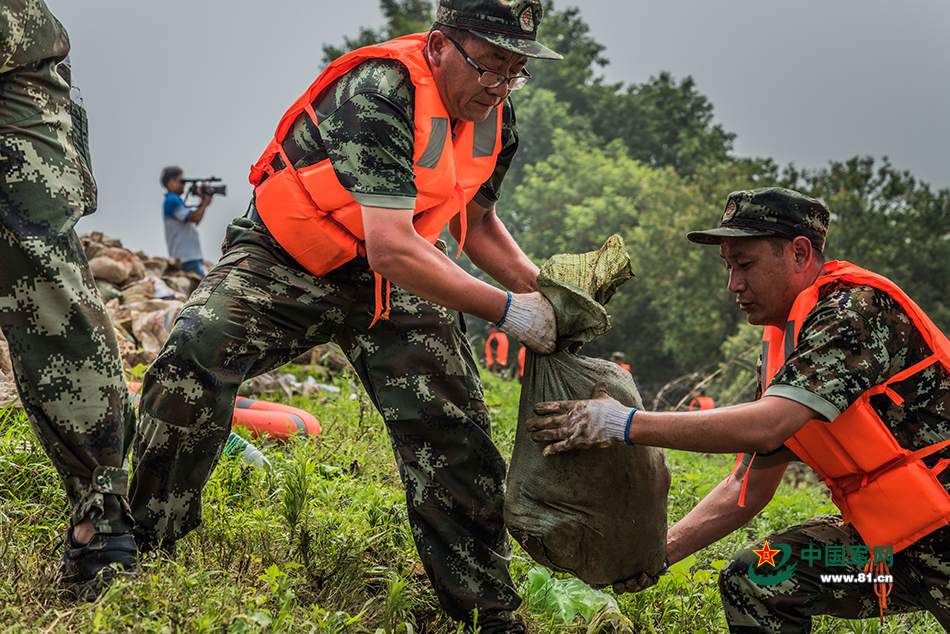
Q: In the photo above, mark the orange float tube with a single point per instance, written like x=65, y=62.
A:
x=274, y=419
x=277, y=421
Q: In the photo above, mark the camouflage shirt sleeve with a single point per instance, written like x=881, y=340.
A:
x=857, y=337
x=854, y=338
x=28, y=34
x=366, y=130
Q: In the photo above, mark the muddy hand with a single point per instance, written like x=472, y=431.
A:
x=636, y=584
x=598, y=422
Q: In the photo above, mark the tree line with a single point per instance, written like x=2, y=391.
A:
x=648, y=162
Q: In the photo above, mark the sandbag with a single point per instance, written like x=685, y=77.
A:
x=138, y=292
x=599, y=514
x=151, y=329
x=6, y=364
x=109, y=269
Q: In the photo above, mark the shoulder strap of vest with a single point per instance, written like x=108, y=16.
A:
x=787, y=338
x=778, y=343
x=407, y=49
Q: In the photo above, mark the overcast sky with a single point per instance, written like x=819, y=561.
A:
x=203, y=83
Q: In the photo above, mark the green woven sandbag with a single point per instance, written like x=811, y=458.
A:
x=599, y=514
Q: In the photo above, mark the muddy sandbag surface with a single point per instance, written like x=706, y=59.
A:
x=599, y=514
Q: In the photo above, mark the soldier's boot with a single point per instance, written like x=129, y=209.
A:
x=87, y=569
x=496, y=626
x=150, y=546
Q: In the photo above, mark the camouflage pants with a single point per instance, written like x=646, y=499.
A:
x=921, y=581
x=65, y=357
x=258, y=309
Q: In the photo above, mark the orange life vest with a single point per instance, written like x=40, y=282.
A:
x=319, y=223
x=882, y=489
x=501, y=355
x=521, y=356
x=701, y=403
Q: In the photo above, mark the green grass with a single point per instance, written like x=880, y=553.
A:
x=321, y=544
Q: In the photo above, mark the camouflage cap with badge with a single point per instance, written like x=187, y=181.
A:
x=510, y=24
x=769, y=211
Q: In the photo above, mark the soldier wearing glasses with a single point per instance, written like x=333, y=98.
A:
x=391, y=143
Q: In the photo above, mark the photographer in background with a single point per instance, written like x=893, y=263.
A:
x=181, y=222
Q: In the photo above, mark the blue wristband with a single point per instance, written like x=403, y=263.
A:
x=505, y=316
x=626, y=430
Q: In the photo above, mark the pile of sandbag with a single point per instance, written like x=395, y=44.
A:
x=133, y=277
x=143, y=295
x=8, y=391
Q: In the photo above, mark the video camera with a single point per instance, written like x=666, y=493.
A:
x=220, y=190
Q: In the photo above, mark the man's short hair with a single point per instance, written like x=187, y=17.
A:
x=459, y=35
x=169, y=173
x=779, y=243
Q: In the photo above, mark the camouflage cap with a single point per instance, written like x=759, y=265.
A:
x=510, y=24
x=769, y=211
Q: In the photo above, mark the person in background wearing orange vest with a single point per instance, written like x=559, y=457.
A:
x=618, y=357
x=496, y=351
x=521, y=357
x=856, y=385
x=390, y=143
x=702, y=402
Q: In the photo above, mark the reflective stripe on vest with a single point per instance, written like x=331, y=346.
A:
x=884, y=490
x=319, y=223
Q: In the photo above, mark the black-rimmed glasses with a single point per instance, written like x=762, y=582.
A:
x=491, y=79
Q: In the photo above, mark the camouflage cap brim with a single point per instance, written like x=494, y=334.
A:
x=523, y=46
x=715, y=236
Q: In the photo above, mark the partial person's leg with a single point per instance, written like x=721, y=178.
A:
x=64, y=352
x=194, y=266
x=755, y=605
x=420, y=372
x=65, y=357
x=255, y=311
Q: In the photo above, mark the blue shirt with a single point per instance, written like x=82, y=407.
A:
x=181, y=236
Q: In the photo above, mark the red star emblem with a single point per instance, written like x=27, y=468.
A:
x=766, y=554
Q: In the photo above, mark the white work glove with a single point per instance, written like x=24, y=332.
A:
x=530, y=319
x=599, y=422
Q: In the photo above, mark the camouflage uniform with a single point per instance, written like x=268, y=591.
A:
x=258, y=308
x=855, y=337
x=65, y=357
